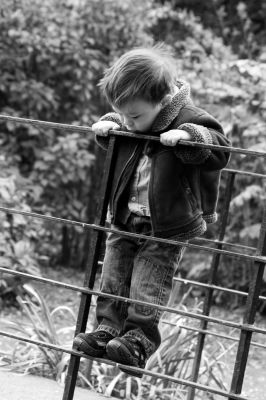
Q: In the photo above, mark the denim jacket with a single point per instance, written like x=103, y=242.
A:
x=184, y=181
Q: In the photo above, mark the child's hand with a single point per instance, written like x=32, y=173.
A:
x=102, y=128
x=170, y=138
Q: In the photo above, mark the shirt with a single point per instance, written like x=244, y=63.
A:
x=138, y=202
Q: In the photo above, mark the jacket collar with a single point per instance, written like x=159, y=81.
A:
x=171, y=111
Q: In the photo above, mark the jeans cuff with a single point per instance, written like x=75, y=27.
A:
x=106, y=328
x=139, y=335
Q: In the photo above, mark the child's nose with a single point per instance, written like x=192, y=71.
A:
x=128, y=121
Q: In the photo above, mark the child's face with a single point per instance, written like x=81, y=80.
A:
x=138, y=115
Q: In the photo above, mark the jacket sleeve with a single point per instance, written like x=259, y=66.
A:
x=103, y=141
x=207, y=131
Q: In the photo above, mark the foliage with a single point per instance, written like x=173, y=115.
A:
x=240, y=24
x=18, y=235
x=52, y=56
x=173, y=358
x=41, y=325
x=233, y=90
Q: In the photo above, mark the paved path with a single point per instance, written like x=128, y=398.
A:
x=28, y=387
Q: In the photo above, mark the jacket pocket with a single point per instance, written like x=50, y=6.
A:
x=189, y=194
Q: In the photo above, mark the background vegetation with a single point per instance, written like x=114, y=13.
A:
x=52, y=54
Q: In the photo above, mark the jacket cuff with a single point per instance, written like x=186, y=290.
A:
x=103, y=141
x=210, y=218
x=199, y=134
x=112, y=116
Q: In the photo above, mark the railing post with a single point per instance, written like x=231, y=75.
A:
x=209, y=291
x=250, y=312
x=91, y=269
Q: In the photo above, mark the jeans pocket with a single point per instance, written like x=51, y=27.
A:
x=152, y=285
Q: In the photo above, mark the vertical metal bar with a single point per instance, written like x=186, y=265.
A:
x=212, y=280
x=250, y=312
x=95, y=247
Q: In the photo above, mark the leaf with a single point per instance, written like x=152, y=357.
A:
x=251, y=232
x=5, y=262
x=63, y=309
x=250, y=192
x=21, y=248
x=112, y=384
x=19, y=220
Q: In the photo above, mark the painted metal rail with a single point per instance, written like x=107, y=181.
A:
x=218, y=248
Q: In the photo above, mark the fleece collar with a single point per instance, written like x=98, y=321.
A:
x=171, y=111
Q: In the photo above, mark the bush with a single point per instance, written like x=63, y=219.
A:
x=174, y=357
x=52, y=57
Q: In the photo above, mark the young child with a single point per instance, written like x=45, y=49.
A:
x=159, y=188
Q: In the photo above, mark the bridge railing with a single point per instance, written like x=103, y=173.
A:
x=217, y=248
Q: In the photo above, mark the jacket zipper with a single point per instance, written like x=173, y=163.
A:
x=149, y=196
x=118, y=181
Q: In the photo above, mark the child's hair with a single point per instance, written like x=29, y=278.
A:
x=146, y=73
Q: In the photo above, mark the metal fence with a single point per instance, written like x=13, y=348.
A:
x=216, y=248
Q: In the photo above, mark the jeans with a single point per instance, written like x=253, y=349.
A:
x=140, y=269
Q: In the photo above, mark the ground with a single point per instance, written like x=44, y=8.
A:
x=255, y=381
x=30, y=387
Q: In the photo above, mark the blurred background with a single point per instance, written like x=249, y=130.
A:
x=52, y=55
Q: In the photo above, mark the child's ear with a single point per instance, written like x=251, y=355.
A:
x=166, y=100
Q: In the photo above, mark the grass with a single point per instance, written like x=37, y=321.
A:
x=48, y=313
x=56, y=325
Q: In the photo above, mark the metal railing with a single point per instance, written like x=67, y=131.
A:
x=217, y=248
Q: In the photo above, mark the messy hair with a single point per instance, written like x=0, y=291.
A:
x=145, y=73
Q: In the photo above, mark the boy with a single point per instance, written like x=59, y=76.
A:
x=161, y=189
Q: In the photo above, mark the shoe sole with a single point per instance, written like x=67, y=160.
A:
x=119, y=353
x=81, y=345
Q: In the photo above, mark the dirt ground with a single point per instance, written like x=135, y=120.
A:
x=254, y=387
x=29, y=387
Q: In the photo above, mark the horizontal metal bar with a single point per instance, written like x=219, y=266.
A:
x=78, y=128
x=92, y=226
x=144, y=371
x=215, y=287
x=221, y=242
x=46, y=124
x=239, y=171
x=211, y=333
x=128, y=234
x=189, y=314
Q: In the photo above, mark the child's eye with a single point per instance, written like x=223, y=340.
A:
x=137, y=116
